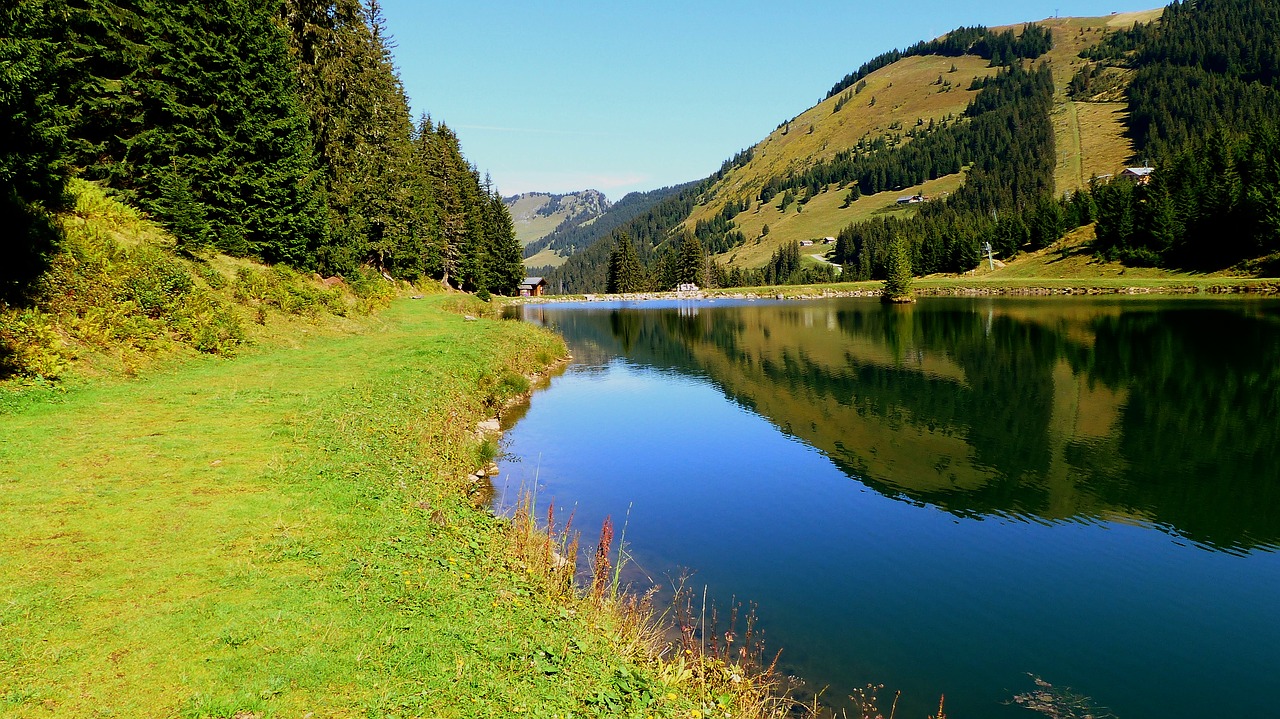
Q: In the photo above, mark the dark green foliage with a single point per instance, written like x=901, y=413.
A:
x=216, y=94
x=691, y=262
x=897, y=281
x=626, y=274
x=587, y=270
x=784, y=263
x=1205, y=112
x=176, y=207
x=33, y=171
x=276, y=130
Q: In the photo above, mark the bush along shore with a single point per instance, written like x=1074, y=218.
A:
x=299, y=530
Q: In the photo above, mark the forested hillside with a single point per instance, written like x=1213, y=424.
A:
x=275, y=130
x=538, y=214
x=1204, y=108
x=587, y=246
x=968, y=119
x=1200, y=85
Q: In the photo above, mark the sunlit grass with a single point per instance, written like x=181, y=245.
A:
x=279, y=533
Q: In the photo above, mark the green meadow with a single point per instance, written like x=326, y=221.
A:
x=291, y=533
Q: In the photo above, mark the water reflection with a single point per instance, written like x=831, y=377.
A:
x=1161, y=412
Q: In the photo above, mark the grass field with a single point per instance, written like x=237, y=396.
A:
x=1090, y=135
x=904, y=93
x=544, y=258
x=289, y=528
x=284, y=535
x=821, y=217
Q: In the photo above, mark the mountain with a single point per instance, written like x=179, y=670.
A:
x=538, y=214
x=982, y=126
x=569, y=240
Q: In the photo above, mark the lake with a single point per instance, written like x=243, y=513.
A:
x=950, y=497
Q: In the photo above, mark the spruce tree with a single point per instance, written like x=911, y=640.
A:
x=180, y=213
x=626, y=274
x=897, y=283
x=505, y=258
x=33, y=171
x=690, y=261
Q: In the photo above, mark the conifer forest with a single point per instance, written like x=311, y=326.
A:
x=278, y=131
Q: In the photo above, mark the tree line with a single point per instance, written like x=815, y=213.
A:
x=686, y=260
x=275, y=130
x=1001, y=48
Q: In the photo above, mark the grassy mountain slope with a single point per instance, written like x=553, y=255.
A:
x=538, y=214
x=1090, y=132
x=1090, y=138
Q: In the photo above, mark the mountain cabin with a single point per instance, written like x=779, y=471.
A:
x=532, y=287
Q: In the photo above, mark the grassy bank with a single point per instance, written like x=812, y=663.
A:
x=234, y=491
x=289, y=533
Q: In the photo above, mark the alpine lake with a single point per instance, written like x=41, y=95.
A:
x=954, y=497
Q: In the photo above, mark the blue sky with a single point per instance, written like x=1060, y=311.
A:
x=624, y=96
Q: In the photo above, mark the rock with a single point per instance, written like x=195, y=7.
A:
x=489, y=426
x=469, y=318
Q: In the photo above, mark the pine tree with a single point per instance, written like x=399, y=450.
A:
x=506, y=260
x=690, y=261
x=625, y=271
x=177, y=209
x=897, y=283
x=33, y=170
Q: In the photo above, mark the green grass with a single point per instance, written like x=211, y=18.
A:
x=823, y=216
x=294, y=531
x=544, y=258
x=284, y=533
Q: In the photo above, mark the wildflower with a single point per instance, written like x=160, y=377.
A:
x=671, y=696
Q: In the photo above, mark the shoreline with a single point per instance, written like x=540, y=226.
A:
x=945, y=287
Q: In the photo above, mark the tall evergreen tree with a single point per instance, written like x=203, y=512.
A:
x=33, y=170
x=690, y=261
x=626, y=274
x=897, y=283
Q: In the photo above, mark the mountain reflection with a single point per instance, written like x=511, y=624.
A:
x=1155, y=411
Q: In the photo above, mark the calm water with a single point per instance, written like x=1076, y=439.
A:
x=948, y=497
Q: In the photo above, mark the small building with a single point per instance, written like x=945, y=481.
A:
x=532, y=287
x=828, y=240
x=686, y=287
x=911, y=200
x=1142, y=175
x=806, y=243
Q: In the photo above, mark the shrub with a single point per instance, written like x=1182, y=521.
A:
x=30, y=345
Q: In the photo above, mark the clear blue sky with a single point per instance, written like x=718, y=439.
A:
x=623, y=96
